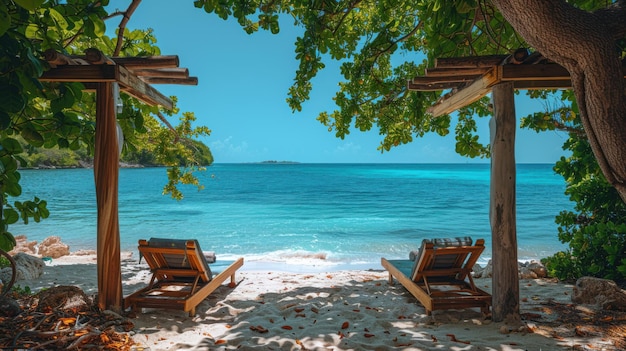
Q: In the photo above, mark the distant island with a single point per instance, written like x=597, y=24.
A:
x=280, y=162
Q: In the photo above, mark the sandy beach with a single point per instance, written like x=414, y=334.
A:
x=338, y=310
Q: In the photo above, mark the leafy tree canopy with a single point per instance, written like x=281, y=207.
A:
x=381, y=44
x=62, y=115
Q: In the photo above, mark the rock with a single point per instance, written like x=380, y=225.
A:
x=538, y=268
x=486, y=272
x=64, y=297
x=9, y=307
x=27, y=267
x=526, y=273
x=23, y=245
x=602, y=293
x=53, y=247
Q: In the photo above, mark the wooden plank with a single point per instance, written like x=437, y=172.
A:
x=167, y=61
x=476, y=90
x=502, y=216
x=444, y=79
x=454, y=71
x=469, y=62
x=167, y=80
x=161, y=72
x=432, y=86
x=548, y=72
x=80, y=73
x=136, y=87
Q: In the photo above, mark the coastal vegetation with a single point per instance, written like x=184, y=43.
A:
x=379, y=45
x=55, y=122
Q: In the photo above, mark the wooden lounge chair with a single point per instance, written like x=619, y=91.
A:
x=181, y=277
x=440, y=275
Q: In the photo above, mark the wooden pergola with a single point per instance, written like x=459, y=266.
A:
x=466, y=80
x=133, y=76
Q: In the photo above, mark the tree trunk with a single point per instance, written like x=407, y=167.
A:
x=505, y=291
x=584, y=43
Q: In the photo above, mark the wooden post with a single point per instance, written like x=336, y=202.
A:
x=502, y=217
x=106, y=174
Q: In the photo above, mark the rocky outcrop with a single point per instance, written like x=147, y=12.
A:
x=526, y=270
x=23, y=245
x=53, y=247
x=27, y=267
x=602, y=293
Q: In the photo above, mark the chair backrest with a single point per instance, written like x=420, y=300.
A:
x=446, y=258
x=175, y=254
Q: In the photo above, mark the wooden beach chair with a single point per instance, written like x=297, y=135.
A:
x=440, y=275
x=181, y=276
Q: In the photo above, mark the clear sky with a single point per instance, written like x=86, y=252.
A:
x=242, y=91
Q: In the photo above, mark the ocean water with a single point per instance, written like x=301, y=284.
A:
x=304, y=216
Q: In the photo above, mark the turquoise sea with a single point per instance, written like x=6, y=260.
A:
x=304, y=217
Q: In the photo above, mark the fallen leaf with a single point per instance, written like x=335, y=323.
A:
x=287, y=327
x=298, y=310
x=315, y=310
x=220, y=341
x=367, y=335
x=345, y=325
x=232, y=285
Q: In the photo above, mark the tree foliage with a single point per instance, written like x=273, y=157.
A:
x=381, y=44
x=59, y=116
x=595, y=230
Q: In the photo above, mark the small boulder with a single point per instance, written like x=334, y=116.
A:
x=602, y=293
x=53, y=247
x=23, y=245
x=27, y=267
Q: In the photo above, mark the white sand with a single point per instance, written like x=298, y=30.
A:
x=340, y=310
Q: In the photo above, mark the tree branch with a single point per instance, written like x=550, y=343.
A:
x=120, y=29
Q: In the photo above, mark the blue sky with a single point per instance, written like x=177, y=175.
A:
x=243, y=84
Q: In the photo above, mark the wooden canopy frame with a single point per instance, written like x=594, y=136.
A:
x=468, y=79
x=134, y=76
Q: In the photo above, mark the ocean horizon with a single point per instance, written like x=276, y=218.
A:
x=303, y=216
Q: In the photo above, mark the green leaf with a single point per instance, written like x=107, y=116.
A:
x=98, y=25
x=33, y=137
x=7, y=241
x=10, y=216
x=58, y=18
x=5, y=120
x=5, y=18
x=11, y=145
x=10, y=98
x=30, y=4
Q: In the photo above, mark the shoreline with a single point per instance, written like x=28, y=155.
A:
x=339, y=310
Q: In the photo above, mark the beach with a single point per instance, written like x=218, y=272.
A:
x=337, y=310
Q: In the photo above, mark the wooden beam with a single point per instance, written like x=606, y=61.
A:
x=549, y=72
x=170, y=61
x=476, y=90
x=80, y=73
x=106, y=175
x=136, y=87
x=505, y=291
x=470, y=62
x=167, y=80
x=161, y=72
x=443, y=79
x=432, y=86
x=454, y=71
